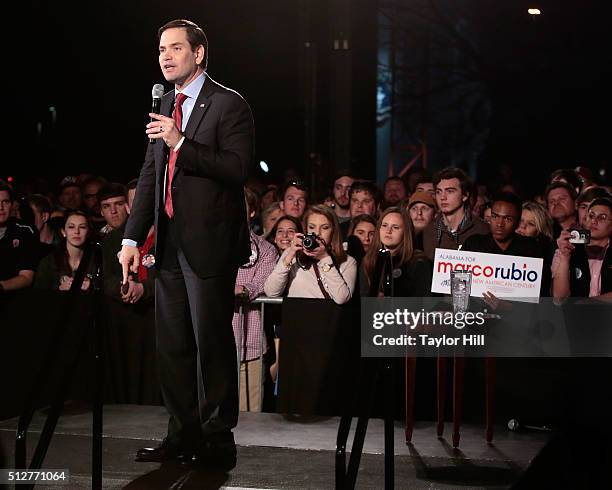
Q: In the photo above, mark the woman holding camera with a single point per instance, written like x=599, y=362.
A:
x=317, y=336
x=585, y=269
x=315, y=265
x=56, y=270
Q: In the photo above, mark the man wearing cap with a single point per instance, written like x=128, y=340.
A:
x=422, y=209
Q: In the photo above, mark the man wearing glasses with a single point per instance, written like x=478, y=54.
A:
x=585, y=270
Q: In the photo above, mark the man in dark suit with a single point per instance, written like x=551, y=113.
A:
x=190, y=186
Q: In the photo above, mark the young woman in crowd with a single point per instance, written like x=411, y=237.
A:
x=283, y=232
x=56, y=270
x=325, y=271
x=360, y=235
x=412, y=270
x=535, y=222
x=281, y=235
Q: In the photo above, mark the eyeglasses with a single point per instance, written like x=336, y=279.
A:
x=601, y=218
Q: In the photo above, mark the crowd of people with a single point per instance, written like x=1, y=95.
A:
x=321, y=248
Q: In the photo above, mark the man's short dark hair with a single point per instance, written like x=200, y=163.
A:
x=110, y=190
x=40, y=202
x=395, y=178
x=510, y=198
x=7, y=187
x=367, y=187
x=424, y=178
x=561, y=185
x=195, y=36
x=343, y=173
x=591, y=193
x=465, y=182
x=298, y=184
x=602, y=201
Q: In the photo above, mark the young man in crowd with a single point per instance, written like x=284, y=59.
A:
x=364, y=198
x=585, y=270
x=584, y=200
x=502, y=239
x=293, y=199
x=506, y=210
x=341, y=192
x=113, y=206
x=18, y=253
x=561, y=203
x=454, y=224
x=422, y=209
x=394, y=191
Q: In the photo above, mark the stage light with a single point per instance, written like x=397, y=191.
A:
x=534, y=11
x=9, y=179
x=264, y=166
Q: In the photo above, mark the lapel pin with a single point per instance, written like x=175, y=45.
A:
x=202, y=105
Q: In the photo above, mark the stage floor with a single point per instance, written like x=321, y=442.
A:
x=275, y=451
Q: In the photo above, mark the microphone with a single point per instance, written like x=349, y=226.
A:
x=514, y=425
x=157, y=93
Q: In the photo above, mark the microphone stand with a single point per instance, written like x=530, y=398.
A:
x=68, y=371
x=346, y=478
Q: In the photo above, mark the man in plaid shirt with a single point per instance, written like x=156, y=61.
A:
x=248, y=330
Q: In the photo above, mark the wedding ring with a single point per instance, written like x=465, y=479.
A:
x=161, y=130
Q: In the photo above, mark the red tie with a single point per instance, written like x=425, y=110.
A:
x=177, y=115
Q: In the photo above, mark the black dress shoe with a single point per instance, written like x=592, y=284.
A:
x=166, y=451
x=216, y=452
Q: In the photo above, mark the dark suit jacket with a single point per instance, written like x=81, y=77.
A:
x=207, y=194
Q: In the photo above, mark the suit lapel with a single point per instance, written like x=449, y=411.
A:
x=200, y=107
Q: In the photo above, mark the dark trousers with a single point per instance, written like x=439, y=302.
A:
x=196, y=350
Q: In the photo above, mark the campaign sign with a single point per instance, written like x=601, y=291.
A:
x=506, y=276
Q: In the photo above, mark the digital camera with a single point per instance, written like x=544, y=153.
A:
x=579, y=236
x=310, y=241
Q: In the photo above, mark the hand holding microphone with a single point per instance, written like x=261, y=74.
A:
x=157, y=93
x=161, y=126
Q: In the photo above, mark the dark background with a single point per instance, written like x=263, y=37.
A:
x=548, y=81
